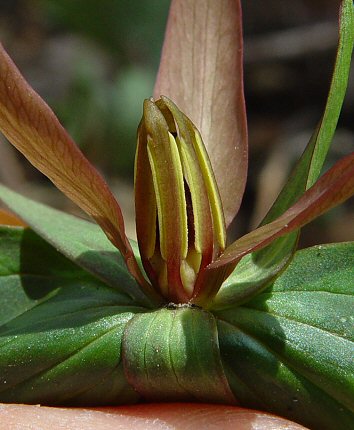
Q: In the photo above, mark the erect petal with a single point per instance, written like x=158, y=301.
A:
x=179, y=218
x=31, y=126
x=201, y=71
x=334, y=187
x=164, y=183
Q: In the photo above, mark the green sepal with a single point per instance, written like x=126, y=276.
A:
x=173, y=354
x=309, y=167
x=290, y=349
x=201, y=173
x=80, y=241
x=257, y=270
x=254, y=272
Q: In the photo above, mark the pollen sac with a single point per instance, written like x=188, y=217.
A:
x=179, y=218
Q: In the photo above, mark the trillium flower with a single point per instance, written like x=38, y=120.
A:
x=190, y=175
x=183, y=200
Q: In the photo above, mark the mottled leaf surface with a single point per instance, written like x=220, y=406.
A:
x=290, y=349
x=60, y=328
x=77, y=239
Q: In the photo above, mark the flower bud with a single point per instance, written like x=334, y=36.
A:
x=179, y=217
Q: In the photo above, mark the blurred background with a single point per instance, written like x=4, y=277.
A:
x=94, y=62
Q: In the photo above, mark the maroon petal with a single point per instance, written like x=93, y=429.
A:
x=201, y=71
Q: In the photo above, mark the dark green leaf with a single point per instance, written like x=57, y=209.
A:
x=66, y=350
x=81, y=241
x=290, y=349
x=173, y=354
x=31, y=271
x=60, y=328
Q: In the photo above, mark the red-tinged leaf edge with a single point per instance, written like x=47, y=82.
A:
x=31, y=126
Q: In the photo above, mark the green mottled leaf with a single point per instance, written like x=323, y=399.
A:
x=60, y=328
x=81, y=241
x=290, y=349
x=57, y=354
x=257, y=269
x=28, y=278
x=173, y=354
